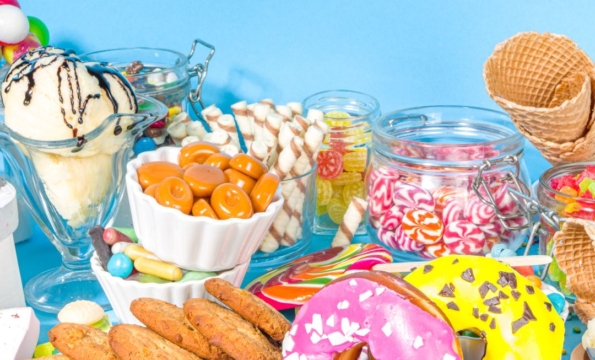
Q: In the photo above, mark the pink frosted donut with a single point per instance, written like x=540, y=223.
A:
x=453, y=211
x=386, y=236
x=404, y=243
x=464, y=237
x=477, y=212
x=375, y=308
x=381, y=196
x=422, y=226
x=392, y=218
x=413, y=196
x=435, y=251
x=493, y=229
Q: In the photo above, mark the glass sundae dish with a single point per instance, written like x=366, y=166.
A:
x=67, y=134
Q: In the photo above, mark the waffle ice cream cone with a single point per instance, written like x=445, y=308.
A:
x=546, y=82
x=585, y=310
x=575, y=254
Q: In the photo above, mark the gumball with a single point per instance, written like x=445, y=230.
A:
x=558, y=301
x=14, y=25
x=422, y=226
x=143, y=144
x=119, y=265
x=39, y=29
x=464, y=237
x=413, y=196
x=230, y=201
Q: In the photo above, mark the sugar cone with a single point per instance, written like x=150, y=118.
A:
x=545, y=83
x=575, y=254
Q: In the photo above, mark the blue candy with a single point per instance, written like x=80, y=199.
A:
x=497, y=250
x=507, y=253
x=120, y=265
x=144, y=144
x=558, y=301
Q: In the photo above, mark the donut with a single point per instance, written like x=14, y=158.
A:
x=490, y=298
x=373, y=309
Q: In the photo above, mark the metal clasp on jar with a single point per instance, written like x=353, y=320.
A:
x=521, y=195
x=200, y=71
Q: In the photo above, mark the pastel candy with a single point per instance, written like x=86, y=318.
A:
x=119, y=265
x=464, y=237
x=477, y=212
x=196, y=276
x=422, y=226
x=435, y=251
x=392, y=218
x=453, y=211
x=381, y=196
x=386, y=236
x=413, y=196
x=404, y=243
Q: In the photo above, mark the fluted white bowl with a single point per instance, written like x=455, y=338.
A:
x=193, y=243
x=121, y=293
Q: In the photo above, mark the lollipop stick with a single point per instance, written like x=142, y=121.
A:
x=512, y=261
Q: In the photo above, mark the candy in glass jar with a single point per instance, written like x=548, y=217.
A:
x=344, y=155
x=425, y=199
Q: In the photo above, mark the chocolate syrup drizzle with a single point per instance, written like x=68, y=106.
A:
x=29, y=64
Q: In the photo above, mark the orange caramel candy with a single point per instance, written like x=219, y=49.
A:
x=220, y=160
x=203, y=179
x=173, y=192
x=197, y=152
x=154, y=172
x=151, y=190
x=242, y=180
x=248, y=165
x=263, y=192
x=230, y=201
x=202, y=208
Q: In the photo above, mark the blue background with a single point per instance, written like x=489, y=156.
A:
x=405, y=53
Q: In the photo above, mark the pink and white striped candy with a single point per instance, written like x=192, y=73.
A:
x=404, y=243
x=443, y=194
x=375, y=222
x=464, y=237
x=413, y=196
x=392, y=218
x=493, y=229
x=504, y=200
x=435, y=251
x=422, y=226
x=381, y=196
x=477, y=212
x=453, y=211
x=386, y=236
x=382, y=171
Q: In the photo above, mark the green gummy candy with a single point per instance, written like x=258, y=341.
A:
x=45, y=349
x=128, y=232
x=196, y=275
x=585, y=184
x=146, y=278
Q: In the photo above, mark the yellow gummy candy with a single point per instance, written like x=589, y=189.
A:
x=321, y=211
x=572, y=207
x=324, y=191
x=332, y=118
x=336, y=210
x=355, y=161
x=355, y=189
x=346, y=178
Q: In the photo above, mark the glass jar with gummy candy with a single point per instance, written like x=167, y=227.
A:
x=568, y=190
x=344, y=155
x=422, y=202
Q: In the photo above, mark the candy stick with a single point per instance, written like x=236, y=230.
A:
x=270, y=134
x=211, y=114
x=260, y=114
x=353, y=217
x=196, y=128
x=240, y=111
x=296, y=108
x=258, y=150
x=182, y=117
x=322, y=126
x=177, y=131
x=269, y=102
x=302, y=123
x=284, y=111
x=189, y=139
x=315, y=115
x=227, y=123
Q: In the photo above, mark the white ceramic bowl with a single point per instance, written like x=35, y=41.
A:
x=193, y=243
x=121, y=293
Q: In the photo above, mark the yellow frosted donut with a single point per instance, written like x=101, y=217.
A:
x=517, y=320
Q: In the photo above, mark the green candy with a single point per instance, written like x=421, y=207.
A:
x=146, y=279
x=39, y=29
x=128, y=232
x=586, y=184
x=196, y=276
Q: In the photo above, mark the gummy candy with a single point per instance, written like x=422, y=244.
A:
x=355, y=161
x=353, y=189
x=324, y=191
x=330, y=164
x=321, y=210
x=346, y=178
x=336, y=210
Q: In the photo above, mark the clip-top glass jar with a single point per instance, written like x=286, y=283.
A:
x=344, y=155
x=425, y=200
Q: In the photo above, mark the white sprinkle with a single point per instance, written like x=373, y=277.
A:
x=352, y=282
x=324, y=336
x=343, y=305
x=380, y=290
x=387, y=330
x=308, y=328
x=354, y=328
x=315, y=338
x=448, y=357
x=293, y=330
x=365, y=296
x=419, y=342
x=362, y=332
x=303, y=357
x=336, y=338
x=293, y=356
x=317, y=323
x=288, y=343
x=345, y=325
x=331, y=321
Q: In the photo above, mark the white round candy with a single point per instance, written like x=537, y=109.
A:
x=14, y=25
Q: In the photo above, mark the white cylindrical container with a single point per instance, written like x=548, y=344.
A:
x=11, y=289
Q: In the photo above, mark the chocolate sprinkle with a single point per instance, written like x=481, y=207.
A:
x=428, y=268
x=452, y=306
x=493, y=324
x=524, y=320
x=515, y=294
x=456, y=261
x=492, y=305
x=485, y=288
x=548, y=306
x=446, y=291
x=507, y=278
x=468, y=276
x=476, y=313
x=483, y=317
x=530, y=290
x=552, y=327
x=502, y=295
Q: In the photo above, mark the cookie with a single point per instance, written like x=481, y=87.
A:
x=133, y=342
x=250, y=307
x=229, y=331
x=81, y=342
x=53, y=357
x=168, y=321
